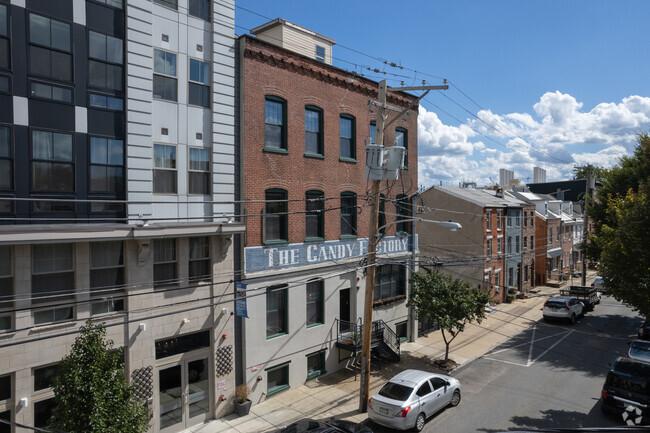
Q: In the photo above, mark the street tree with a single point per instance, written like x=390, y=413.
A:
x=91, y=391
x=448, y=301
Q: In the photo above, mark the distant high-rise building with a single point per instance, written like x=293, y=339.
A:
x=539, y=175
x=505, y=176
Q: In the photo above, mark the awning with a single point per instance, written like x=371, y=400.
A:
x=554, y=253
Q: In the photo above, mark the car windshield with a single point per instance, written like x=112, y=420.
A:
x=629, y=383
x=640, y=349
x=395, y=391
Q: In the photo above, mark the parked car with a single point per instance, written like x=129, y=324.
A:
x=644, y=331
x=627, y=384
x=639, y=349
x=563, y=308
x=409, y=398
x=599, y=285
x=328, y=426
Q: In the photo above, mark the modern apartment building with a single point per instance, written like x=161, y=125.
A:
x=117, y=189
x=303, y=128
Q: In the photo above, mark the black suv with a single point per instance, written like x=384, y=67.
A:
x=627, y=384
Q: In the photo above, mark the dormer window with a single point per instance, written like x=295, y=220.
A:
x=320, y=53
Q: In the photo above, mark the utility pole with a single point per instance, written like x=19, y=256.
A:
x=585, y=225
x=372, y=236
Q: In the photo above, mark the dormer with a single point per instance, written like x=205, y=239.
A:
x=295, y=38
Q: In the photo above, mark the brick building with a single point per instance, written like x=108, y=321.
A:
x=528, y=237
x=302, y=132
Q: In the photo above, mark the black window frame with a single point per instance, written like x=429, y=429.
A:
x=94, y=97
x=52, y=51
x=348, y=201
x=6, y=288
x=4, y=40
x=33, y=84
x=349, y=142
x=171, y=4
x=390, y=282
x=281, y=146
x=314, y=216
x=381, y=216
x=96, y=63
x=314, y=137
x=52, y=162
x=276, y=211
x=163, y=266
x=201, y=13
x=107, y=166
x=405, y=144
x=8, y=166
x=403, y=211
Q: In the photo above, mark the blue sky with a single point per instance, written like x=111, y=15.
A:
x=550, y=83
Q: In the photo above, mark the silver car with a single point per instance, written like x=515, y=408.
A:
x=411, y=397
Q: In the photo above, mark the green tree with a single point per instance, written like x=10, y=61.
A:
x=91, y=391
x=448, y=301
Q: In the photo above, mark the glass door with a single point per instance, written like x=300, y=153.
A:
x=184, y=394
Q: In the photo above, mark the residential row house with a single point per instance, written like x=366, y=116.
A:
x=117, y=191
x=303, y=129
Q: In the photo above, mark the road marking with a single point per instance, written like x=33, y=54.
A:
x=532, y=342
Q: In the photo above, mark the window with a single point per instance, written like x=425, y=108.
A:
x=532, y=243
x=52, y=167
x=199, y=83
x=51, y=92
x=106, y=165
x=499, y=217
x=525, y=219
x=6, y=290
x=44, y=408
x=315, y=304
x=113, y=3
x=180, y=344
x=43, y=411
x=510, y=275
x=499, y=246
x=165, y=272
x=169, y=3
x=390, y=281
x=314, y=215
x=52, y=281
x=164, y=77
x=313, y=130
x=105, y=59
x=401, y=329
x=509, y=220
x=275, y=123
x=106, y=277
x=497, y=280
x=276, y=311
x=200, y=259
x=526, y=273
x=348, y=214
x=373, y=131
x=277, y=379
x=4, y=83
x=401, y=139
x=488, y=220
x=557, y=235
x=6, y=402
x=424, y=389
x=49, y=50
x=532, y=219
x=164, y=173
x=525, y=246
x=347, y=128
x=403, y=211
x=550, y=235
x=6, y=161
x=4, y=42
x=509, y=245
x=316, y=364
x=107, y=102
x=438, y=382
x=489, y=249
x=199, y=171
x=517, y=244
x=276, y=216
x=381, y=224
x=320, y=53
x=200, y=9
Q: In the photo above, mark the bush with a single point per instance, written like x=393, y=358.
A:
x=241, y=393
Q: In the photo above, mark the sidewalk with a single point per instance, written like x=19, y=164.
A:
x=337, y=395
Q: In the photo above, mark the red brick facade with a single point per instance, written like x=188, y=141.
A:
x=493, y=259
x=267, y=70
x=529, y=253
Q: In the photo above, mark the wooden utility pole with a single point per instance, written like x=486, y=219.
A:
x=371, y=257
x=585, y=225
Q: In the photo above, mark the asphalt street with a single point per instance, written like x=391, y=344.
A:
x=550, y=375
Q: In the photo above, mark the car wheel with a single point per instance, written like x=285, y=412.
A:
x=455, y=398
x=573, y=319
x=419, y=422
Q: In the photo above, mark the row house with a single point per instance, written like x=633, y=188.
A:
x=118, y=189
x=529, y=250
x=302, y=132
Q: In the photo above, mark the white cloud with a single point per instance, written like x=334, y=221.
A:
x=557, y=135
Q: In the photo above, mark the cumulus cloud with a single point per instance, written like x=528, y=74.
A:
x=556, y=135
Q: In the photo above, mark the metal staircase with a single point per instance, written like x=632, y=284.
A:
x=384, y=344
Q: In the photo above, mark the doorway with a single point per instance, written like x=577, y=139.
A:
x=344, y=309
x=183, y=394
